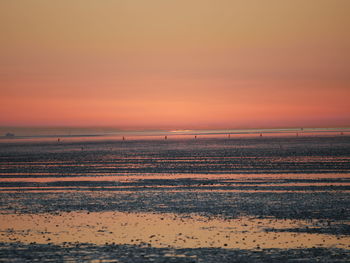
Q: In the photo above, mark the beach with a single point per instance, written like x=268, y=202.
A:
x=210, y=199
x=175, y=131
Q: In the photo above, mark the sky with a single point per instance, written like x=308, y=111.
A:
x=175, y=64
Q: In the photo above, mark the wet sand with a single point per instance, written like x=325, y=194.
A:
x=209, y=200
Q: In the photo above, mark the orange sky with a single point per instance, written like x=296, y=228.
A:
x=175, y=64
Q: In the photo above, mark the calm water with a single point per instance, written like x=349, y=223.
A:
x=93, y=133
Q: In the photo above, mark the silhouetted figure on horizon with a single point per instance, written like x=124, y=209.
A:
x=260, y=134
x=58, y=140
x=166, y=137
x=195, y=136
x=123, y=138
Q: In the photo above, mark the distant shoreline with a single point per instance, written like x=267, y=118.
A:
x=39, y=133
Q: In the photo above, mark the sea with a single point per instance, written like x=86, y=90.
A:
x=109, y=195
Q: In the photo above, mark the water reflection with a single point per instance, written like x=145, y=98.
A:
x=162, y=230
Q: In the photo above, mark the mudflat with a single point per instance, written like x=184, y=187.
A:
x=272, y=199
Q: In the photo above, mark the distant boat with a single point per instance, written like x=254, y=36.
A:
x=9, y=135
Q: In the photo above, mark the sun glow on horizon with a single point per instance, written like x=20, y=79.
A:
x=175, y=64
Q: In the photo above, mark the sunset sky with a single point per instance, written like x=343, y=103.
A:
x=175, y=63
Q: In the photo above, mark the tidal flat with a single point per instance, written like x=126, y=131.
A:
x=270, y=199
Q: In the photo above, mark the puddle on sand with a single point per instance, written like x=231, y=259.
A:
x=160, y=230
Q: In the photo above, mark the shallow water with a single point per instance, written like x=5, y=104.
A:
x=256, y=199
x=278, y=155
x=165, y=230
